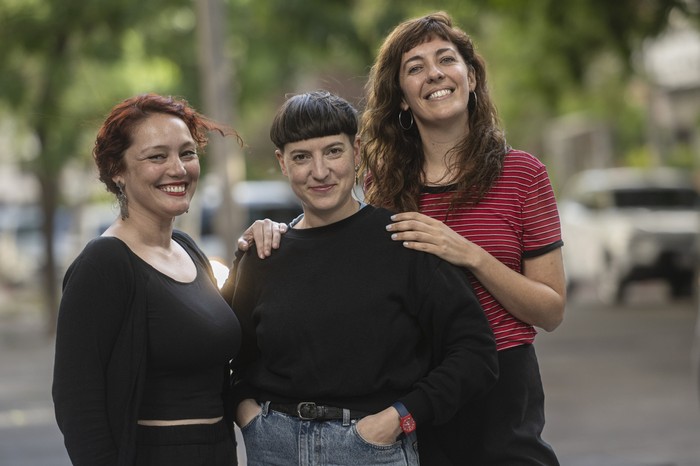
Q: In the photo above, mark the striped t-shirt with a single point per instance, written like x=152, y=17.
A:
x=517, y=219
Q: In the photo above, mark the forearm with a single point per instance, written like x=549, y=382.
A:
x=537, y=301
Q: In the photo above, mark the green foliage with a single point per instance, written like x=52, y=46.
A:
x=64, y=63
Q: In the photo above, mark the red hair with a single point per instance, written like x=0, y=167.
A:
x=115, y=135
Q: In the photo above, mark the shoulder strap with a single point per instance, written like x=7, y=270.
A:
x=185, y=240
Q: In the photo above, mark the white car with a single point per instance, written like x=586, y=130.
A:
x=625, y=224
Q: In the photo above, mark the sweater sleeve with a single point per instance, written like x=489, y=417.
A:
x=241, y=293
x=465, y=362
x=96, y=291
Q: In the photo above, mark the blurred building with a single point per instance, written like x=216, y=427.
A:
x=670, y=64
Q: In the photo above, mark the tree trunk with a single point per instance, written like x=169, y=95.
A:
x=216, y=73
x=49, y=193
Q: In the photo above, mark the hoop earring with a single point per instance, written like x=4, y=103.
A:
x=410, y=124
x=472, y=102
x=123, y=202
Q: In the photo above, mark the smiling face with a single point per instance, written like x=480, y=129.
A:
x=436, y=81
x=321, y=172
x=161, y=168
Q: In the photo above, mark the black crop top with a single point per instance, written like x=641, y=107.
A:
x=192, y=335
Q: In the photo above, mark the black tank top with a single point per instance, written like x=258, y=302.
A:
x=192, y=335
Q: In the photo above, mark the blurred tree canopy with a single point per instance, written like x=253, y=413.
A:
x=64, y=63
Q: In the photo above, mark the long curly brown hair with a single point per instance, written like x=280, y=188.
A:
x=392, y=158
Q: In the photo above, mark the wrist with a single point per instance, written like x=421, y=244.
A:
x=406, y=421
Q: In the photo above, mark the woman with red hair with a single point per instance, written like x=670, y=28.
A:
x=144, y=337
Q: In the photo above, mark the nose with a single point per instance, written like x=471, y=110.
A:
x=177, y=166
x=319, y=170
x=435, y=73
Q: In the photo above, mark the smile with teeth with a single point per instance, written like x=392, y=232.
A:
x=440, y=93
x=173, y=188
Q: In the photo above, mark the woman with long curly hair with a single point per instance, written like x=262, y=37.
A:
x=433, y=150
x=432, y=144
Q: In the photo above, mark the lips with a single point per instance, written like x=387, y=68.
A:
x=321, y=189
x=173, y=188
x=439, y=93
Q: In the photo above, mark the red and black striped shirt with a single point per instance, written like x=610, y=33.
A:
x=517, y=219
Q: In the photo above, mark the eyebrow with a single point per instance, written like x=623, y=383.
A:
x=324, y=148
x=187, y=144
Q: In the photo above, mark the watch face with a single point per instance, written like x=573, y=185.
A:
x=408, y=425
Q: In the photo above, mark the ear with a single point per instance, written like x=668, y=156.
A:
x=356, y=148
x=118, y=180
x=404, y=105
x=472, y=79
x=280, y=160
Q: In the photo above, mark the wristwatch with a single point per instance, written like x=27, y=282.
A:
x=408, y=424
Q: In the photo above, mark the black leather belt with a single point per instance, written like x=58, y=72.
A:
x=310, y=411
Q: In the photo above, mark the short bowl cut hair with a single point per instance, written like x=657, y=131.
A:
x=313, y=115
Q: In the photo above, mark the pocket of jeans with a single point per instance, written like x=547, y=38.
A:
x=381, y=446
x=252, y=420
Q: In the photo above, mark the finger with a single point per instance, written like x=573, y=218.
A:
x=415, y=236
x=410, y=225
x=419, y=246
x=277, y=231
x=257, y=231
x=243, y=244
x=402, y=216
x=268, y=229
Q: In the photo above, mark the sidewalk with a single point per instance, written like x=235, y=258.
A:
x=29, y=435
x=618, y=382
x=28, y=432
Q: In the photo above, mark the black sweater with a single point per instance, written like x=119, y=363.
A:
x=343, y=316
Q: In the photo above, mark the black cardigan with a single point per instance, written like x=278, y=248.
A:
x=101, y=351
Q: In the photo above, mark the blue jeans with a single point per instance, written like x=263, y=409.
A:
x=277, y=439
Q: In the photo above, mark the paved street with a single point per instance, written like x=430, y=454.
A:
x=619, y=385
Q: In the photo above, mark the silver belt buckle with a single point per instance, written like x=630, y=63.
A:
x=306, y=410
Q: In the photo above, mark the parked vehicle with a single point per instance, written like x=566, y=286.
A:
x=259, y=199
x=622, y=225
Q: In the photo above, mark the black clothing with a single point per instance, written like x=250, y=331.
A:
x=190, y=336
x=343, y=316
x=185, y=445
x=102, y=347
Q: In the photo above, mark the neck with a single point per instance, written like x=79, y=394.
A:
x=320, y=219
x=438, y=163
x=142, y=230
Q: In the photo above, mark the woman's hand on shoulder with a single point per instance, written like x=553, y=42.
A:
x=264, y=234
x=422, y=233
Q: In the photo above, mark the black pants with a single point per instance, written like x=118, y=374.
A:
x=504, y=428
x=188, y=445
